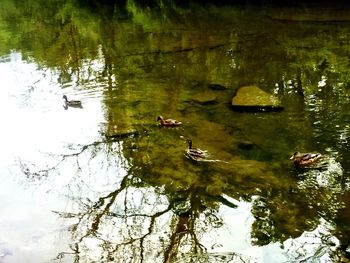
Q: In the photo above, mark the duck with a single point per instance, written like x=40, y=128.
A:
x=195, y=153
x=168, y=122
x=303, y=159
x=72, y=103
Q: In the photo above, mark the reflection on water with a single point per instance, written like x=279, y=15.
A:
x=106, y=183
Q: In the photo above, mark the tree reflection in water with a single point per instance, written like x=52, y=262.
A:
x=123, y=213
x=126, y=204
x=134, y=222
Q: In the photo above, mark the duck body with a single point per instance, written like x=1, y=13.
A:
x=72, y=103
x=168, y=122
x=304, y=159
x=195, y=153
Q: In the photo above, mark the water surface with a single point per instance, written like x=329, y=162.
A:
x=106, y=183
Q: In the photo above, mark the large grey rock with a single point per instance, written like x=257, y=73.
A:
x=252, y=98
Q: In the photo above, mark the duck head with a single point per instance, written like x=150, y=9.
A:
x=189, y=141
x=295, y=155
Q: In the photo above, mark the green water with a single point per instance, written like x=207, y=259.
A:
x=106, y=183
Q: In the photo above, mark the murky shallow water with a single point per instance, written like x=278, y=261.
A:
x=105, y=183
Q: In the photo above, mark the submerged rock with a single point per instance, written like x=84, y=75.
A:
x=245, y=145
x=122, y=135
x=215, y=86
x=252, y=98
x=205, y=98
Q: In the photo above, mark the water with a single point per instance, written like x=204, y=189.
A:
x=106, y=183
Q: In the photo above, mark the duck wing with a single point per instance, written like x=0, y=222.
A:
x=172, y=122
x=310, y=156
x=74, y=104
x=196, y=153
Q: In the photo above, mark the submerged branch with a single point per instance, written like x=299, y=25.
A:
x=180, y=50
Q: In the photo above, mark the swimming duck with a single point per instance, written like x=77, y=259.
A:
x=168, y=122
x=301, y=159
x=72, y=103
x=195, y=153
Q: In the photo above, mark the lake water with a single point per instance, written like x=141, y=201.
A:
x=106, y=183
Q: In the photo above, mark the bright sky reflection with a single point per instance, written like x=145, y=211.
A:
x=34, y=123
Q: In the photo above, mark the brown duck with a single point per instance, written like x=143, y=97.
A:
x=303, y=159
x=168, y=122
